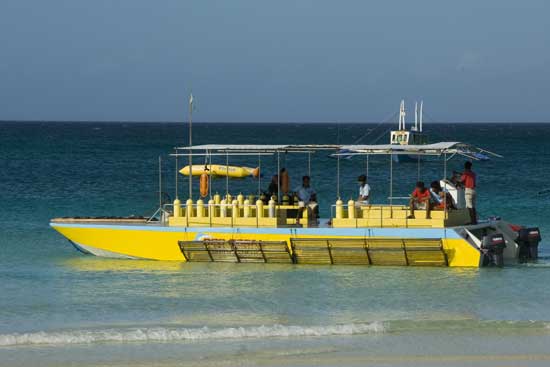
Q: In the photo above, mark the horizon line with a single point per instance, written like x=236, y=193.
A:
x=264, y=122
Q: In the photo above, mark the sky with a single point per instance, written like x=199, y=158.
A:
x=288, y=61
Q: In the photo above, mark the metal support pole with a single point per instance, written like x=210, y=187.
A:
x=190, y=146
x=391, y=179
x=338, y=176
x=160, y=182
x=418, y=167
x=177, y=174
x=445, y=183
x=259, y=175
x=209, y=174
x=226, y=174
x=367, y=167
x=309, y=164
x=278, y=177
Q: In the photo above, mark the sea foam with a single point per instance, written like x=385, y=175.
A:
x=164, y=334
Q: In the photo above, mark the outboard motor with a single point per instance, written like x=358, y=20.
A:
x=528, y=241
x=493, y=246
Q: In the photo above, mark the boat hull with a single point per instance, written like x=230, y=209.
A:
x=157, y=242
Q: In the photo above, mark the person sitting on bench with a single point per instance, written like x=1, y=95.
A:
x=364, y=191
x=440, y=197
x=308, y=196
x=420, y=199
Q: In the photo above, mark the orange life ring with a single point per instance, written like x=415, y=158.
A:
x=204, y=184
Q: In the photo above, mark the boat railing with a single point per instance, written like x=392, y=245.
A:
x=397, y=216
x=161, y=215
x=399, y=197
x=237, y=214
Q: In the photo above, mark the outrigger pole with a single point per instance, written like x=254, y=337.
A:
x=190, y=146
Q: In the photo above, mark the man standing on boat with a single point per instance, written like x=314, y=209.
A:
x=468, y=179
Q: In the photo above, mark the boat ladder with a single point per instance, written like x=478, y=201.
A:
x=358, y=251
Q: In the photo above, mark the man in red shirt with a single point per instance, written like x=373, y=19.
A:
x=468, y=179
x=420, y=199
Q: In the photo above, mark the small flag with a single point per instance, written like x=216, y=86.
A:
x=191, y=99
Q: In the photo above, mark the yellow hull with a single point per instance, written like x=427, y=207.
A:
x=221, y=170
x=161, y=243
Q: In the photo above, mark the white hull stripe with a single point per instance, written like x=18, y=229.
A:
x=340, y=232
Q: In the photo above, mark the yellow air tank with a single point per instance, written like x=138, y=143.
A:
x=260, y=208
x=200, y=208
x=351, y=209
x=217, y=200
x=211, y=209
x=189, y=208
x=235, y=209
x=339, y=209
x=271, y=208
x=286, y=199
x=177, y=208
x=223, y=208
x=246, y=210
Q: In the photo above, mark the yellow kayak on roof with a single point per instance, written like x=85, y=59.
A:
x=221, y=170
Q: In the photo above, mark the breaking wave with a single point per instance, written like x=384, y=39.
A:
x=163, y=334
x=176, y=333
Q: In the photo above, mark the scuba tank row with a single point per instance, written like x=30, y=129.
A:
x=285, y=199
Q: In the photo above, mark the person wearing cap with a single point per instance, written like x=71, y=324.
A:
x=420, y=199
x=364, y=191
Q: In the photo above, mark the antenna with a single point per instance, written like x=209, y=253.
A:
x=415, y=116
x=402, y=115
x=190, y=146
x=421, y=103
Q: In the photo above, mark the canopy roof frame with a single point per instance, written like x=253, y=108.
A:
x=436, y=149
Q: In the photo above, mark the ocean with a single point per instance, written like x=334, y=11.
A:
x=59, y=307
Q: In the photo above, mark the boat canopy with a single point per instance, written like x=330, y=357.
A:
x=435, y=149
x=262, y=148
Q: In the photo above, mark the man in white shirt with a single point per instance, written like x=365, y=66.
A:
x=364, y=191
x=308, y=196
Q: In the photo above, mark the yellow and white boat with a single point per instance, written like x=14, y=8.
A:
x=248, y=229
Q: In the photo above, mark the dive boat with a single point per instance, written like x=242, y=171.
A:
x=250, y=228
x=414, y=136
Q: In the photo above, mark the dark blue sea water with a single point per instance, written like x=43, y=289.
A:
x=58, y=306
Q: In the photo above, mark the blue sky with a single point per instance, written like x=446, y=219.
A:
x=315, y=60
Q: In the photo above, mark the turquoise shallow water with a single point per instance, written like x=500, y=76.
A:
x=60, y=307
